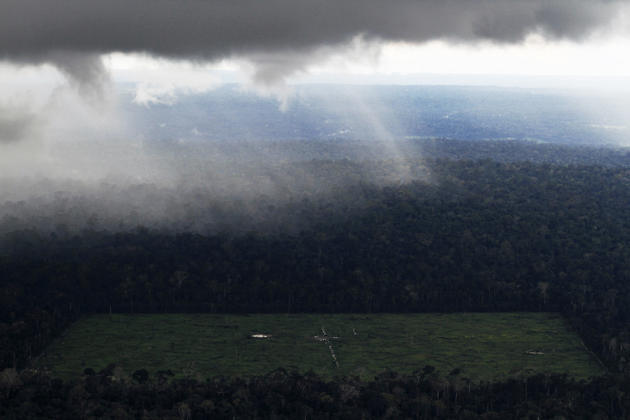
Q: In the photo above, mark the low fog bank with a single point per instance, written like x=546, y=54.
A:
x=200, y=188
x=92, y=165
x=238, y=187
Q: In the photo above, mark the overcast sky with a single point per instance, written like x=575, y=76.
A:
x=602, y=59
x=277, y=41
x=171, y=47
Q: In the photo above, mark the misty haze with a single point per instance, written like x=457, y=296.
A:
x=231, y=159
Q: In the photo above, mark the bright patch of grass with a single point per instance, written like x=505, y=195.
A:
x=485, y=346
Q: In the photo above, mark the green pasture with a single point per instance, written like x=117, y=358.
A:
x=484, y=346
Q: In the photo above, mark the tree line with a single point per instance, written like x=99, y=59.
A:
x=288, y=395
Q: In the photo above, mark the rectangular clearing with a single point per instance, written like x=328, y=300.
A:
x=486, y=346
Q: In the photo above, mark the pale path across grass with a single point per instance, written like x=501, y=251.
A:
x=485, y=346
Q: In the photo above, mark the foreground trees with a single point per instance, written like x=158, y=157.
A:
x=282, y=395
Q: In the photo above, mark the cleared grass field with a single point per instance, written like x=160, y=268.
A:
x=485, y=346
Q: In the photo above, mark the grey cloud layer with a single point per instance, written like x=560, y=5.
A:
x=31, y=30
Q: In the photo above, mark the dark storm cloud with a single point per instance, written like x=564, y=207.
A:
x=86, y=69
x=267, y=30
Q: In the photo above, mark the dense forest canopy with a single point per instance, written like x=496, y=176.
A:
x=285, y=395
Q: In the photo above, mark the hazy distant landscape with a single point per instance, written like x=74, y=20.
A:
x=386, y=113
